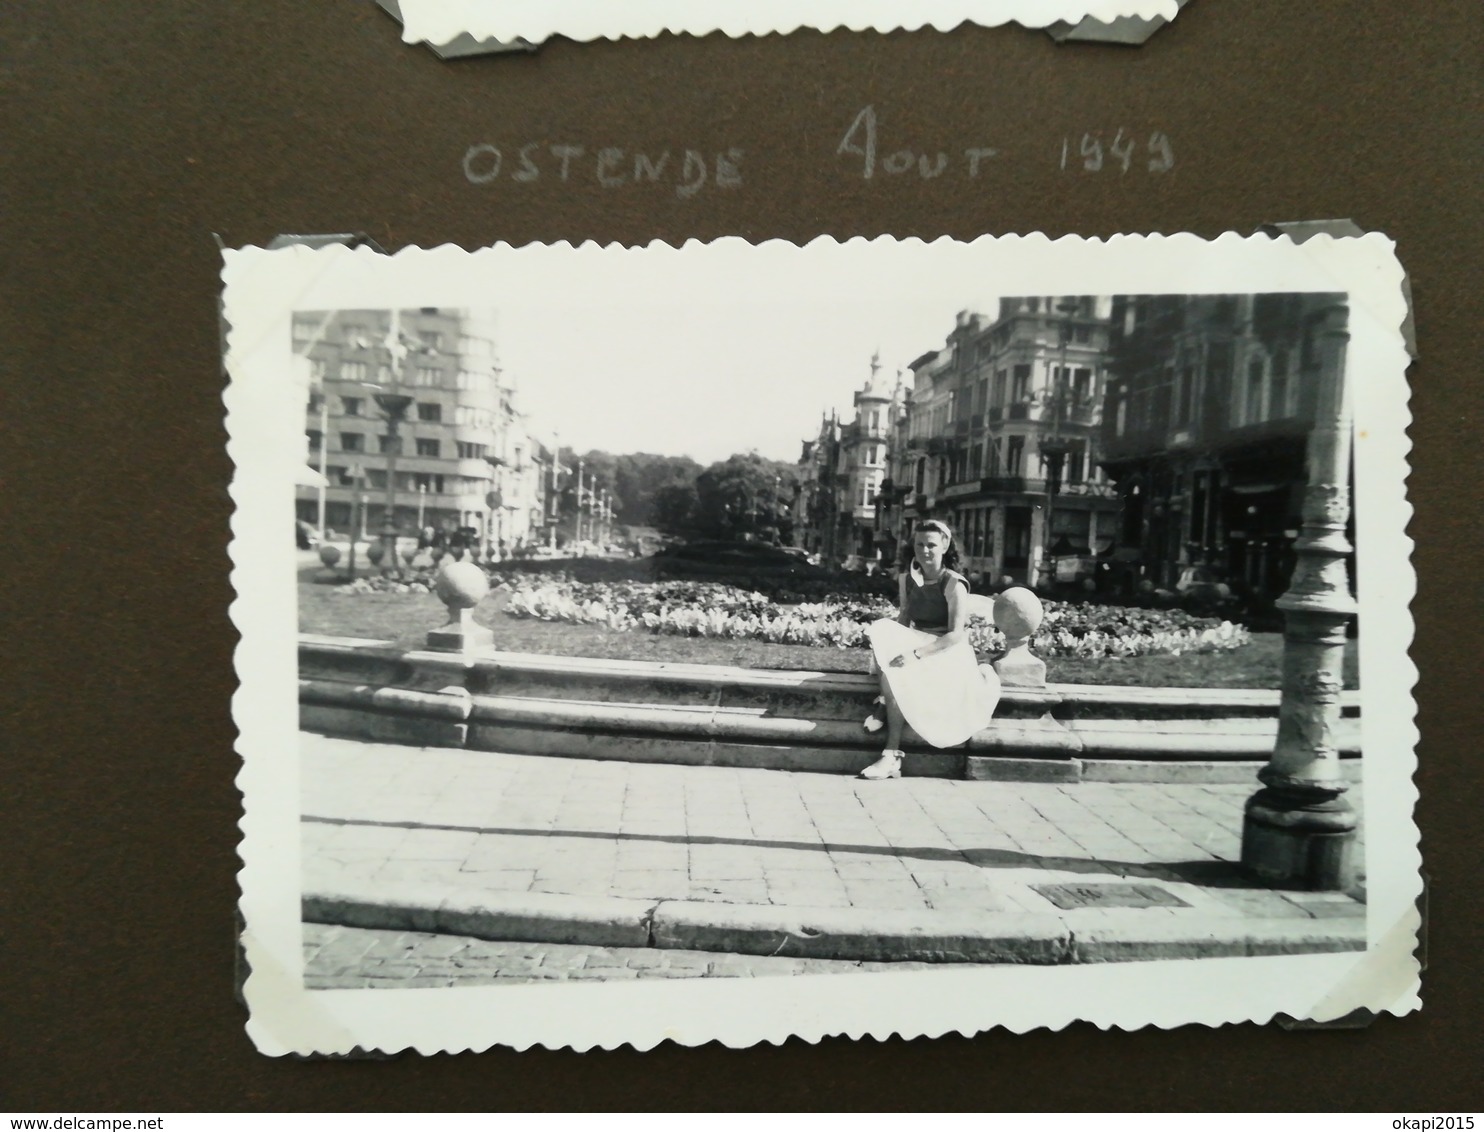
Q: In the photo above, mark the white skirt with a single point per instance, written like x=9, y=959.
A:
x=945, y=697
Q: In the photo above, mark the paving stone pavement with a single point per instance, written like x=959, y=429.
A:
x=375, y=813
x=342, y=958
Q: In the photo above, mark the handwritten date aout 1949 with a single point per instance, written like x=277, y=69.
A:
x=1090, y=153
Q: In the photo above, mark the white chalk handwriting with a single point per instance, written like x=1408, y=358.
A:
x=1089, y=153
x=687, y=171
x=866, y=150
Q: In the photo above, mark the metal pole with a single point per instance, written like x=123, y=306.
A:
x=324, y=451
x=578, y=535
x=553, y=501
x=357, y=515
x=1299, y=829
x=394, y=405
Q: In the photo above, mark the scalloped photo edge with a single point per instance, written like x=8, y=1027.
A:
x=441, y=21
x=265, y=402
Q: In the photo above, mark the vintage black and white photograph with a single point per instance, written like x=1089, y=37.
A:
x=879, y=636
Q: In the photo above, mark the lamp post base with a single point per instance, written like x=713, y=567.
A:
x=1301, y=840
x=388, y=561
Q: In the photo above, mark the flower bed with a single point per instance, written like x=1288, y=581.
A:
x=402, y=582
x=709, y=609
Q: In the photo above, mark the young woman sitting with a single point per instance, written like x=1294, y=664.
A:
x=930, y=676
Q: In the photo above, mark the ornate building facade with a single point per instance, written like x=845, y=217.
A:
x=999, y=438
x=1205, y=427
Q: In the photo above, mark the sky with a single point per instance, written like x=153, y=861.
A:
x=706, y=364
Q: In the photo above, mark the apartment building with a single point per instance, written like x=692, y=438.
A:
x=466, y=457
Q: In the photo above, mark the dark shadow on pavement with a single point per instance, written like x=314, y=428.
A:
x=1209, y=873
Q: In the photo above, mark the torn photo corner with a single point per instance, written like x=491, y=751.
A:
x=558, y=714
x=533, y=21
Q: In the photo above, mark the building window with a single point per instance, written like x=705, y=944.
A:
x=1186, y=409
x=316, y=402
x=1000, y=378
x=316, y=439
x=431, y=339
x=429, y=411
x=428, y=481
x=316, y=369
x=352, y=371
x=304, y=332
x=384, y=444
x=1014, y=455
x=469, y=451
x=350, y=406
x=427, y=377
x=1254, y=392
x=1278, y=392
x=352, y=442
x=1076, y=462
x=1082, y=384
x=354, y=335
x=1020, y=387
x=1082, y=334
x=426, y=447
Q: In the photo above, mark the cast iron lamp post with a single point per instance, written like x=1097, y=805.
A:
x=1299, y=829
x=1054, y=448
x=394, y=406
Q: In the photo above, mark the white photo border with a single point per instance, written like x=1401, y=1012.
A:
x=264, y=416
x=440, y=21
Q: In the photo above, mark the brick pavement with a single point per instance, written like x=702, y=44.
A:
x=342, y=958
x=520, y=824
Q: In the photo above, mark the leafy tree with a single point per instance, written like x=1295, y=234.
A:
x=746, y=497
x=673, y=509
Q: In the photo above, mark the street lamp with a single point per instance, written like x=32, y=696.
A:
x=1299, y=830
x=394, y=407
x=1054, y=448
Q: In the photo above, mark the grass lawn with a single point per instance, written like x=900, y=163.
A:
x=406, y=619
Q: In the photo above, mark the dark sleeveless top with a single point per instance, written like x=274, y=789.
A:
x=927, y=606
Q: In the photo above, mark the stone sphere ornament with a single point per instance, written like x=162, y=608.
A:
x=1018, y=613
x=375, y=553
x=461, y=585
x=329, y=555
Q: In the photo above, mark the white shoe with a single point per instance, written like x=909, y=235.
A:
x=875, y=721
x=889, y=765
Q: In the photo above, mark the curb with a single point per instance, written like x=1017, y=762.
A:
x=870, y=935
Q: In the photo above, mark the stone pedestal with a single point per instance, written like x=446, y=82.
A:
x=461, y=634
x=461, y=585
x=1018, y=613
